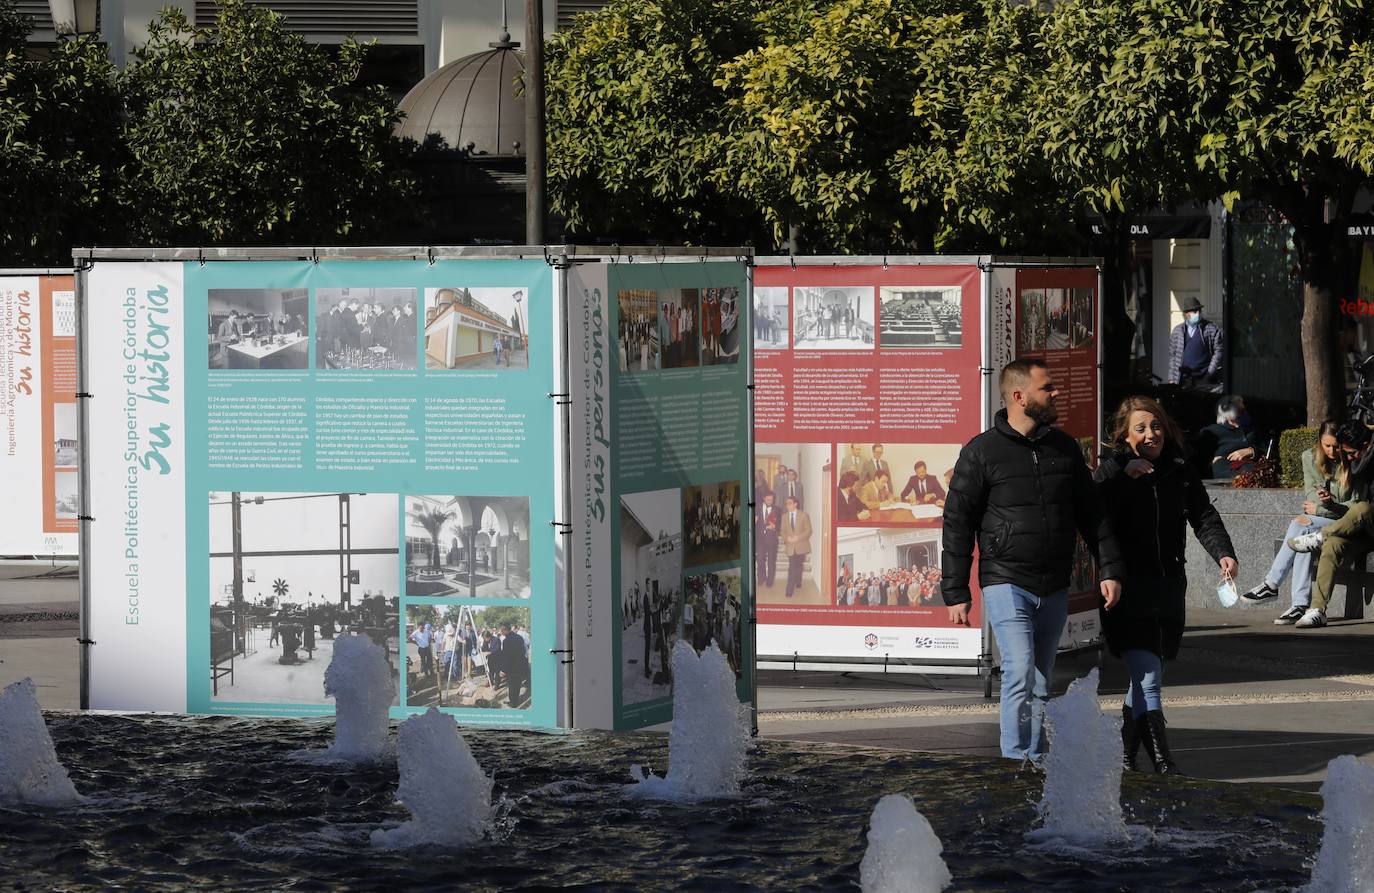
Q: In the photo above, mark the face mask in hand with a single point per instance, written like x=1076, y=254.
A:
x=1226, y=593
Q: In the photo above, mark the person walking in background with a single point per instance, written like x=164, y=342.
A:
x=1149, y=490
x=1195, y=351
x=1023, y=493
x=1328, y=495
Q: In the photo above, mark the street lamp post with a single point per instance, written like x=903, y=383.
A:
x=534, y=122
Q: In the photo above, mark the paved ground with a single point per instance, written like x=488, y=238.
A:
x=1247, y=701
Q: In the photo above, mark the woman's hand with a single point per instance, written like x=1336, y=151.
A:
x=1242, y=453
x=1229, y=567
x=1139, y=468
x=1324, y=495
x=1309, y=507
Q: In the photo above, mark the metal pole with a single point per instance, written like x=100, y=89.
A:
x=534, y=122
x=83, y=569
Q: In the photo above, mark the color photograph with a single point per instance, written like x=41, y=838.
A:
x=711, y=523
x=832, y=318
x=467, y=546
x=792, y=531
x=1032, y=325
x=637, y=340
x=1081, y=317
x=887, y=567
x=365, y=328
x=650, y=593
x=259, y=328
x=476, y=328
x=679, y=327
x=720, y=312
x=464, y=655
x=920, y=317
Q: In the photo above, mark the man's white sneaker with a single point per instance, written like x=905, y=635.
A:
x=1290, y=617
x=1313, y=618
x=1307, y=542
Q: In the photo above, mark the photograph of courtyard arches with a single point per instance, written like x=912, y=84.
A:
x=468, y=546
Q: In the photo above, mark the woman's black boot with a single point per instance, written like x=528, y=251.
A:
x=1156, y=741
x=1130, y=736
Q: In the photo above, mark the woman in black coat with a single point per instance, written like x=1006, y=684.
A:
x=1149, y=490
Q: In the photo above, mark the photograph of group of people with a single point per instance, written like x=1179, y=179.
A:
x=711, y=613
x=920, y=317
x=467, y=546
x=258, y=328
x=711, y=523
x=365, y=328
x=462, y=655
x=832, y=318
x=303, y=568
x=792, y=502
x=719, y=326
x=476, y=328
x=888, y=567
x=677, y=328
x=1055, y=318
x=651, y=563
x=770, y=318
x=637, y=337
x=893, y=483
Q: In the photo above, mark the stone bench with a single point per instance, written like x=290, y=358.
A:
x=1257, y=520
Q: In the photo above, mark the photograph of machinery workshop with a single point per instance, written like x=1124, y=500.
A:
x=288, y=573
x=468, y=546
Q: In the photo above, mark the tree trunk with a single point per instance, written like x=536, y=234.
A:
x=1117, y=329
x=1321, y=251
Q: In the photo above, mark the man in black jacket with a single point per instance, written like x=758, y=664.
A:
x=1023, y=490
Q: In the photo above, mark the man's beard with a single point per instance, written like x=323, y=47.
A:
x=1042, y=413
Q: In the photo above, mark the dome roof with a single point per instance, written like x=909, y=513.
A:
x=471, y=102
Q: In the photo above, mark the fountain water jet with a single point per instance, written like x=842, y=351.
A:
x=708, y=739
x=1081, y=802
x=30, y=773
x=359, y=680
x=903, y=854
x=448, y=795
x=1346, y=859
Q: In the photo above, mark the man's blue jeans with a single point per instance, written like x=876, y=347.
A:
x=1027, y=628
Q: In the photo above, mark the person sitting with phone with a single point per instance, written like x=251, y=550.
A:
x=1328, y=493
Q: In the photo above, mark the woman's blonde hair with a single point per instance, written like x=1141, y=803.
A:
x=1337, y=469
x=1122, y=417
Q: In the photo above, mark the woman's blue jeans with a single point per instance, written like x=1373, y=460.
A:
x=1302, y=564
x=1147, y=678
x=1027, y=628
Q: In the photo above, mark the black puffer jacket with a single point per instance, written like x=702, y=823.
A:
x=1148, y=515
x=1026, y=499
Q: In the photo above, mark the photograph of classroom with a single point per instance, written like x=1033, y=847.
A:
x=792, y=530
x=770, y=318
x=468, y=546
x=464, y=655
x=679, y=325
x=64, y=427
x=719, y=326
x=923, y=316
x=832, y=318
x=711, y=523
x=650, y=593
x=259, y=328
x=288, y=573
x=888, y=567
x=711, y=613
x=365, y=328
x=637, y=338
x=476, y=328
x=893, y=483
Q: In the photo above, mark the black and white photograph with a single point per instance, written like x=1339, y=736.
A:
x=920, y=316
x=832, y=318
x=770, y=318
x=650, y=593
x=711, y=613
x=1032, y=321
x=1058, y=327
x=65, y=452
x=288, y=573
x=720, y=314
x=637, y=338
x=711, y=523
x=887, y=567
x=679, y=327
x=465, y=655
x=477, y=328
x=793, y=495
x=1081, y=317
x=259, y=328
x=64, y=494
x=365, y=328
x=468, y=546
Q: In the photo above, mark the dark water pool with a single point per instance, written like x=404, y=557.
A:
x=218, y=804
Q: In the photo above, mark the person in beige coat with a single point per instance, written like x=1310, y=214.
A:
x=796, y=542
x=877, y=492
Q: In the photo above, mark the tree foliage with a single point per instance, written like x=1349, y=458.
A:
x=244, y=133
